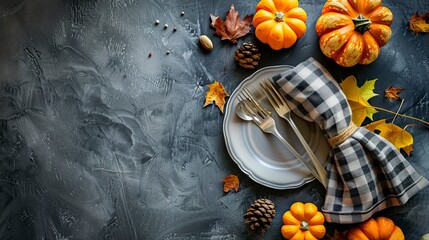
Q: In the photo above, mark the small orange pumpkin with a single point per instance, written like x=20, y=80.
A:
x=279, y=23
x=303, y=222
x=352, y=32
x=381, y=228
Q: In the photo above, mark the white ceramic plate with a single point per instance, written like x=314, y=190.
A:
x=261, y=156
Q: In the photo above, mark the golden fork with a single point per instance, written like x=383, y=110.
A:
x=283, y=110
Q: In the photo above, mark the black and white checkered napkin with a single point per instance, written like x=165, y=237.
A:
x=366, y=172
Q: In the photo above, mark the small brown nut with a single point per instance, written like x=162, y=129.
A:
x=206, y=43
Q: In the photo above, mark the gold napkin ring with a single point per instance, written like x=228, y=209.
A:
x=342, y=136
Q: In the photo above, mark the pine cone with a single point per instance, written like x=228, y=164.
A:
x=260, y=215
x=247, y=55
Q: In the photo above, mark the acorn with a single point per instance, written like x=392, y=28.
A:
x=206, y=43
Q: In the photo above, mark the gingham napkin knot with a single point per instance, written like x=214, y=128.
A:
x=342, y=136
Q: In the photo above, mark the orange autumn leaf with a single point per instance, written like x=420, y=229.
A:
x=392, y=93
x=398, y=136
x=358, y=98
x=231, y=182
x=233, y=27
x=217, y=94
x=419, y=23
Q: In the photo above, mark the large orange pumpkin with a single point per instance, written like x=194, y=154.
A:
x=279, y=23
x=381, y=228
x=352, y=31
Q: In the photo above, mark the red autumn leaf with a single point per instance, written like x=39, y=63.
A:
x=231, y=182
x=393, y=93
x=419, y=23
x=233, y=27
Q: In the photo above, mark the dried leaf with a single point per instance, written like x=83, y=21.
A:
x=233, y=27
x=418, y=23
x=358, y=98
x=393, y=93
x=217, y=94
x=231, y=182
x=397, y=136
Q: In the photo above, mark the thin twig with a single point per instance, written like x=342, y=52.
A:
x=401, y=115
x=397, y=112
x=417, y=125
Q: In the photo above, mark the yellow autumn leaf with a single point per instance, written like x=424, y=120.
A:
x=397, y=136
x=216, y=94
x=373, y=125
x=408, y=149
x=358, y=98
x=367, y=89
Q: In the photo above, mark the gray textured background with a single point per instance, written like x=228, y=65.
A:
x=99, y=141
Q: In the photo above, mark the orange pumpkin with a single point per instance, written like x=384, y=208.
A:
x=279, y=23
x=352, y=31
x=303, y=222
x=381, y=228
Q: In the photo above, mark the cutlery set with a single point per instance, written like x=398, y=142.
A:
x=250, y=109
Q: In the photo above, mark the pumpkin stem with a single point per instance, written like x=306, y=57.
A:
x=279, y=16
x=361, y=23
x=304, y=226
